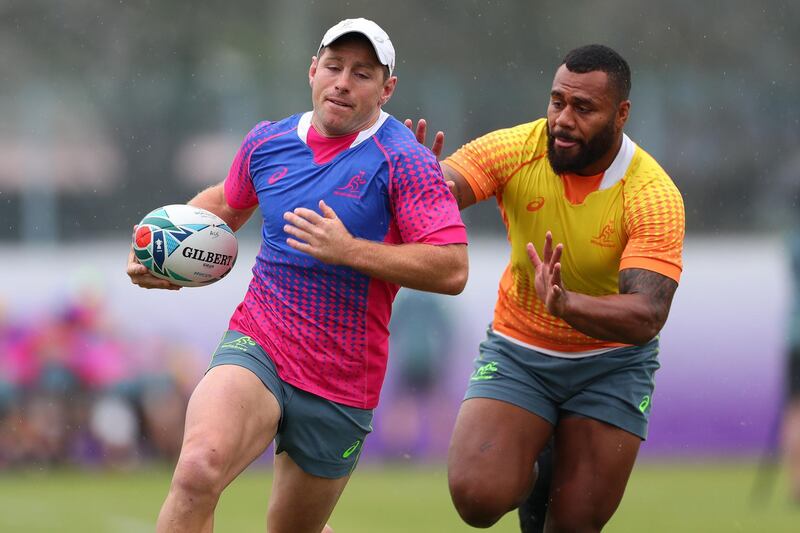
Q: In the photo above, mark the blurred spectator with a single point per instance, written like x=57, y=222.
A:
x=74, y=389
x=791, y=421
x=421, y=338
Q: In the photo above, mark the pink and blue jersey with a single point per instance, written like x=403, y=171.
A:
x=326, y=326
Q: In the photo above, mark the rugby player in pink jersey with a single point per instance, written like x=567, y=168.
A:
x=352, y=208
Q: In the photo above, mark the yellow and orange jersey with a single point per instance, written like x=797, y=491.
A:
x=631, y=216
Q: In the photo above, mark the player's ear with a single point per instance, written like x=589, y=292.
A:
x=312, y=70
x=623, y=111
x=388, y=90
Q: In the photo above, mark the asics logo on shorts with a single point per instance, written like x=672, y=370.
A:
x=644, y=404
x=349, y=451
x=242, y=343
x=484, y=372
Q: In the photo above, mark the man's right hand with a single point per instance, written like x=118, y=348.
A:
x=142, y=277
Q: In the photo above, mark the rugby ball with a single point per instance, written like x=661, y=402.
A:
x=186, y=245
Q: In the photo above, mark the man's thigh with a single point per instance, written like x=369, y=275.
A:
x=230, y=420
x=234, y=412
x=593, y=461
x=301, y=502
x=494, y=448
x=504, y=422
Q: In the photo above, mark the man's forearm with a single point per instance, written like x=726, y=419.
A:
x=423, y=267
x=625, y=318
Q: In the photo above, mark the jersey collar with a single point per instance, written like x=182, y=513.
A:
x=620, y=165
x=305, y=124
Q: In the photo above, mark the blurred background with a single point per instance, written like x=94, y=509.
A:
x=110, y=109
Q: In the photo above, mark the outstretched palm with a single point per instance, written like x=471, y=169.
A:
x=548, y=284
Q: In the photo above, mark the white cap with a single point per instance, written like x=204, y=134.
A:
x=379, y=38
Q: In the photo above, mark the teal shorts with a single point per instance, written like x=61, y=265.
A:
x=615, y=387
x=323, y=437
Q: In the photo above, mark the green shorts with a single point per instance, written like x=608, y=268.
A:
x=615, y=387
x=323, y=437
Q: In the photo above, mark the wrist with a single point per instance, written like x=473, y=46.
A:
x=352, y=252
x=566, y=308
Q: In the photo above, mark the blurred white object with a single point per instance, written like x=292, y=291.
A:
x=114, y=422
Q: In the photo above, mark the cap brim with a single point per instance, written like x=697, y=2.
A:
x=329, y=39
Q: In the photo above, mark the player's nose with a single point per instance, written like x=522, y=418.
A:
x=565, y=118
x=342, y=81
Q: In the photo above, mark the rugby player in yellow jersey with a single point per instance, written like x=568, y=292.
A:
x=596, y=231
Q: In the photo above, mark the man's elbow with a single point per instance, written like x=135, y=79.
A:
x=648, y=330
x=457, y=280
x=455, y=286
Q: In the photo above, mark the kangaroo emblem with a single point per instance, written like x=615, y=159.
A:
x=353, y=187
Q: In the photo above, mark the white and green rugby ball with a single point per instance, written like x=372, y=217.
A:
x=186, y=245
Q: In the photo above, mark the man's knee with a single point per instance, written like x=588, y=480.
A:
x=480, y=504
x=201, y=470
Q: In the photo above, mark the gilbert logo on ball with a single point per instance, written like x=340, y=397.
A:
x=186, y=245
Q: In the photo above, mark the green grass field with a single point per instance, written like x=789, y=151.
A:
x=682, y=497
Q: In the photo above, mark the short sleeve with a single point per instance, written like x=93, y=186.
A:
x=488, y=162
x=655, y=223
x=239, y=190
x=424, y=209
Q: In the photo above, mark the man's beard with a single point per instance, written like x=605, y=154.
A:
x=588, y=152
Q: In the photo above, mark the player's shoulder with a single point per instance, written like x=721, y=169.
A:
x=528, y=138
x=274, y=127
x=645, y=171
x=392, y=127
x=267, y=130
x=522, y=132
x=535, y=129
x=394, y=132
x=400, y=142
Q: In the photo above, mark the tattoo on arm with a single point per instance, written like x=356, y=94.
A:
x=659, y=288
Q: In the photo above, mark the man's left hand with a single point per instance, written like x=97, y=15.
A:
x=421, y=134
x=321, y=236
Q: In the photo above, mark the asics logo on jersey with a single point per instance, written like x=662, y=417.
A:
x=604, y=238
x=484, y=372
x=278, y=175
x=535, y=204
x=353, y=187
